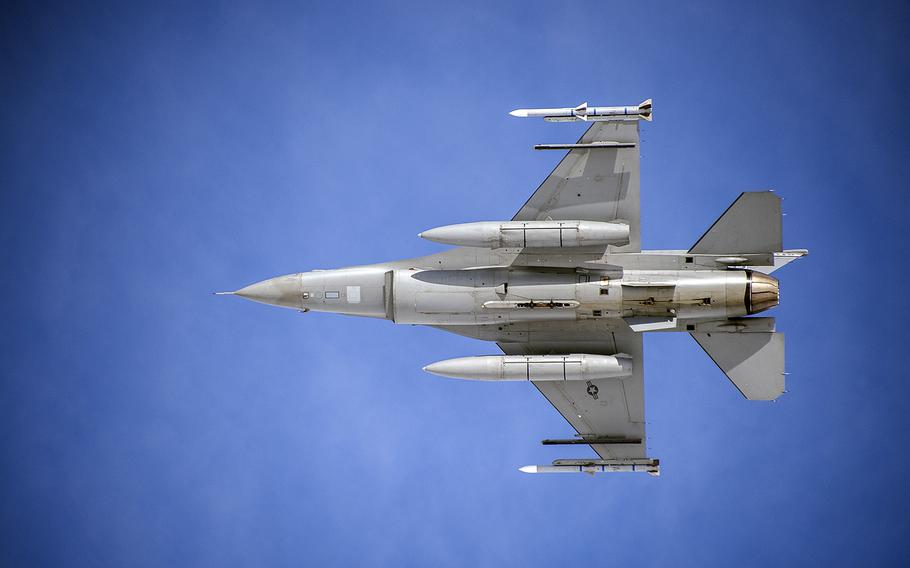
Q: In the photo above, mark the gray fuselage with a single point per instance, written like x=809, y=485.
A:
x=439, y=291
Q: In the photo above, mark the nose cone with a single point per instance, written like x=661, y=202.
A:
x=442, y=368
x=763, y=292
x=284, y=291
x=460, y=368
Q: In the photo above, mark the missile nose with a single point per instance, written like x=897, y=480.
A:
x=284, y=291
x=520, y=113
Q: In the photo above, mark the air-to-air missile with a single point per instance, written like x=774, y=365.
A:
x=634, y=465
x=587, y=113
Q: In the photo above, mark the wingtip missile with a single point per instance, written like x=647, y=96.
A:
x=588, y=113
x=628, y=465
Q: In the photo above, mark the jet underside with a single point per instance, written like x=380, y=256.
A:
x=566, y=292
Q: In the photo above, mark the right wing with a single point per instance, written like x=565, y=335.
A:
x=594, y=184
x=605, y=409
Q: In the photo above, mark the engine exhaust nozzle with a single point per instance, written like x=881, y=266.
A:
x=762, y=292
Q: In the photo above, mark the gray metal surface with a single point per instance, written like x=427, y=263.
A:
x=567, y=301
x=594, y=184
x=752, y=224
x=754, y=362
x=612, y=408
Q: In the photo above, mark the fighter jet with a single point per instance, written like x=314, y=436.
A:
x=566, y=292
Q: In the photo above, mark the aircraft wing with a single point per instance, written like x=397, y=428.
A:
x=594, y=183
x=611, y=411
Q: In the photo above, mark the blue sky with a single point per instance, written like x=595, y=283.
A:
x=155, y=153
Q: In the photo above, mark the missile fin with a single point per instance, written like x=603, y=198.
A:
x=644, y=110
x=581, y=111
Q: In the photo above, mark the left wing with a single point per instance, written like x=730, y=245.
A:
x=594, y=183
x=607, y=410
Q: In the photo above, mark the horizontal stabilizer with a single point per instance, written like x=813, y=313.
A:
x=781, y=259
x=752, y=224
x=736, y=325
x=754, y=362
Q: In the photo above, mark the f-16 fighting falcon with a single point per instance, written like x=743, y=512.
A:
x=566, y=292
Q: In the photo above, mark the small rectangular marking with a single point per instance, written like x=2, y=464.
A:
x=353, y=294
x=332, y=295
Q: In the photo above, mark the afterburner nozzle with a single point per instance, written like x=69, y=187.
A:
x=762, y=292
